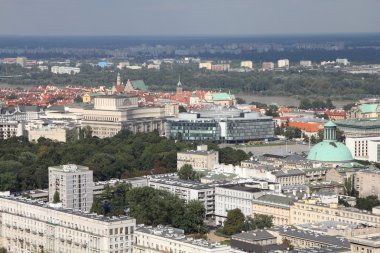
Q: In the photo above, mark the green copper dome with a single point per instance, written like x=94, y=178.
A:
x=330, y=150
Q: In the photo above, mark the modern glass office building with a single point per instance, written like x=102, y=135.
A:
x=230, y=126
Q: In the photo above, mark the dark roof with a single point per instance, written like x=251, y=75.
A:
x=253, y=236
x=240, y=187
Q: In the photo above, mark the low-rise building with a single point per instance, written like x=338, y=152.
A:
x=31, y=226
x=258, y=241
x=55, y=134
x=232, y=196
x=65, y=70
x=273, y=205
x=166, y=239
x=200, y=159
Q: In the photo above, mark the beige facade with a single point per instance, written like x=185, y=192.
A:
x=200, y=159
x=74, y=185
x=55, y=134
x=366, y=182
x=171, y=109
x=111, y=114
x=311, y=211
x=10, y=129
x=165, y=239
x=27, y=226
x=279, y=211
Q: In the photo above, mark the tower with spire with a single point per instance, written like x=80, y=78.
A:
x=118, y=87
x=179, y=89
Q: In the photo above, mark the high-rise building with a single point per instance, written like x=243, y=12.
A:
x=283, y=63
x=74, y=185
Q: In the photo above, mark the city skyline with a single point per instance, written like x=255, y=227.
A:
x=181, y=18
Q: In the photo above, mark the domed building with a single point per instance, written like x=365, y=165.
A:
x=330, y=150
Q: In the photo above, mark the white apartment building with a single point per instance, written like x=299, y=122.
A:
x=10, y=129
x=283, y=63
x=188, y=190
x=74, y=183
x=166, y=239
x=200, y=159
x=363, y=148
x=65, y=70
x=205, y=65
x=28, y=226
x=306, y=64
x=228, y=197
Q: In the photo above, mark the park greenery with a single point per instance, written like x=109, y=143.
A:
x=314, y=84
x=236, y=222
x=24, y=165
x=151, y=207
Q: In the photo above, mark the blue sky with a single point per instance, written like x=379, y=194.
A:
x=188, y=17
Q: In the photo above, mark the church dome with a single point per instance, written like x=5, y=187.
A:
x=330, y=150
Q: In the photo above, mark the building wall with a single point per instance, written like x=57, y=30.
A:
x=280, y=213
x=31, y=227
x=360, y=148
x=199, y=161
x=56, y=134
x=75, y=187
x=10, y=129
x=310, y=212
x=367, y=183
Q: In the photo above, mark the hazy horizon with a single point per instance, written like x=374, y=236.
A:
x=188, y=18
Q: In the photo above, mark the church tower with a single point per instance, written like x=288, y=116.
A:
x=118, y=80
x=179, y=89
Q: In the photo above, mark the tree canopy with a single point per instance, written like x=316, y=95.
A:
x=234, y=222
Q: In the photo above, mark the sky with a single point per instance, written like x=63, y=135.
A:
x=188, y=17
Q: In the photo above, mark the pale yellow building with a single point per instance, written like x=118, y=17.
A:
x=368, y=243
x=205, y=65
x=31, y=226
x=200, y=159
x=272, y=205
x=312, y=211
x=246, y=64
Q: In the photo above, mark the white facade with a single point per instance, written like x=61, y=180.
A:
x=374, y=151
x=283, y=63
x=229, y=197
x=362, y=148
x=344, y=62
x=10, y=129
x=74, y=184
x=64, y=70
x=205, y=65
x=246, y=64
x=166, y=239
x=28, y=226
x=306, y=63
x=187, y=190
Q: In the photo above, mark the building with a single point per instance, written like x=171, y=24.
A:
x=220, y=67
x=366, y=182
x=221, y=99
x=111, y=114
x=344, y=62
x=31, y=226
x=364, y=147
x=188, y=190
x=74, y=184
x=273, y=205
x=258, y=241
x=300, y=238
x=360, y=127
x=65, y=70
x=232, y=196
x=330, y=150
x=200, y=159
x=55, y=134
x=289, y=177
x=267, y=66
x=21, y=61
x=365, y=111
x=365, y=243
x=205, y=65
x=10, y=129
x=166, y=239
x=89, y=97
x=283, y=63
x=135, y=85
x=246, y=64
x=313, y=211
x=306, y=64
x=224, y=125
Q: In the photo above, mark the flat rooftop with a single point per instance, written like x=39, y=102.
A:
x=181, y=183
x=240, y=187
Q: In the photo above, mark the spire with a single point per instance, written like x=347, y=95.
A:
x=179, y=84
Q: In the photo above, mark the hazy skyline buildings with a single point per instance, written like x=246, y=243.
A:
x=180, y=17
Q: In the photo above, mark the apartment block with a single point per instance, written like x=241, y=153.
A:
x=200, y=159
x=366, y=182
x=166, y=239
x=74, y=184
x=28, y=226
x=10, y=129
x=188, y=190
x=283, y=63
